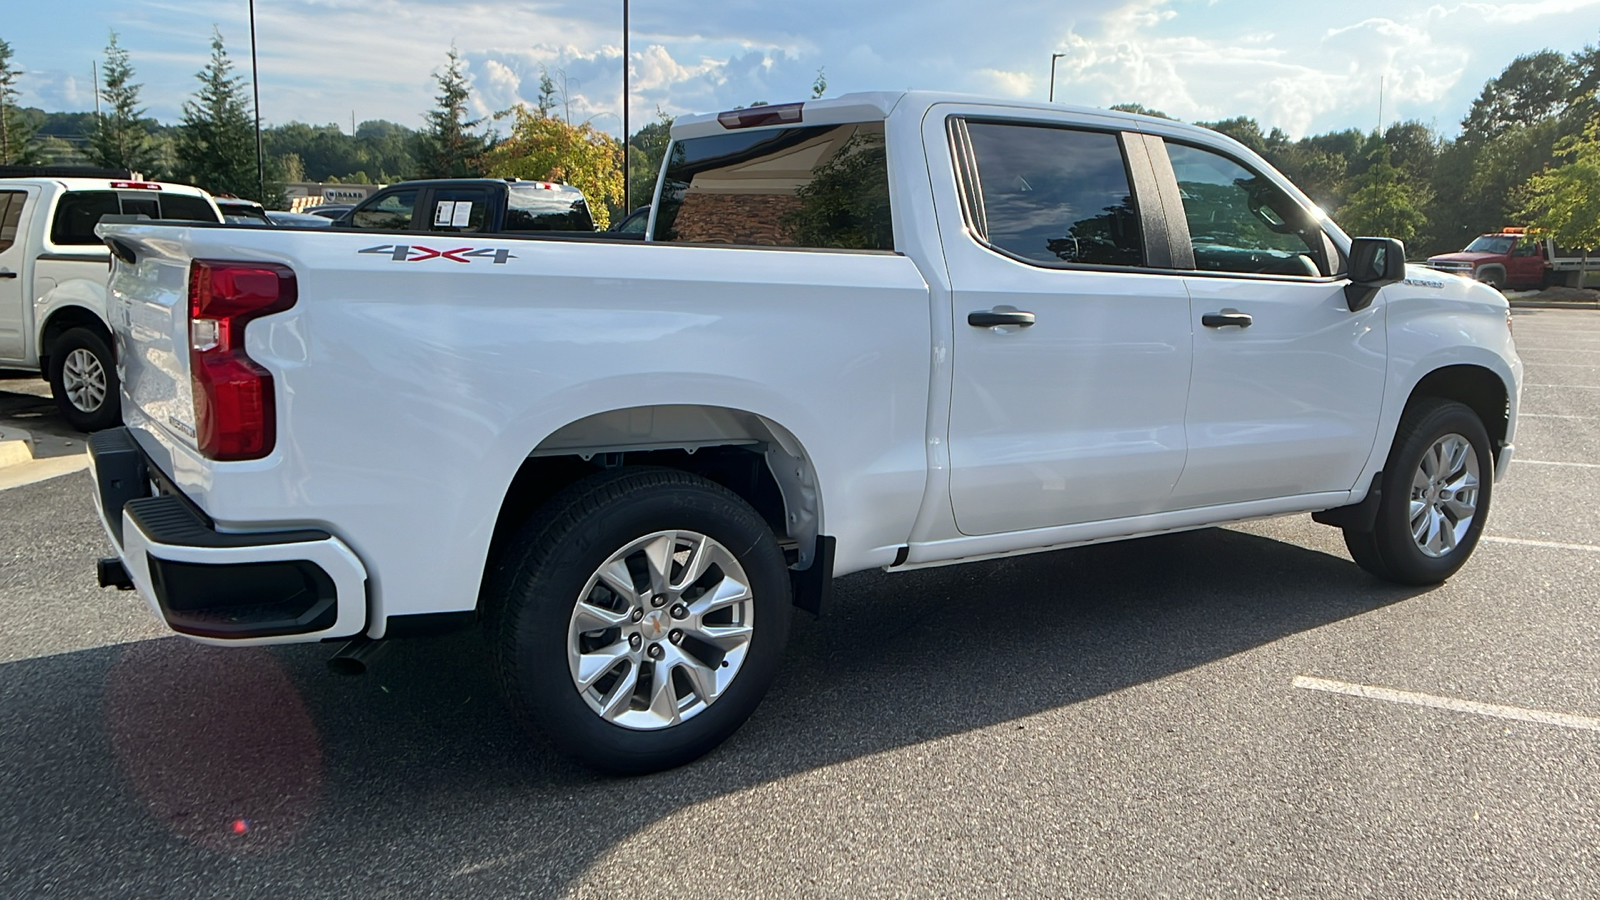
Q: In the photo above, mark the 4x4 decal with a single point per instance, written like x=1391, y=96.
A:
x=417, y=253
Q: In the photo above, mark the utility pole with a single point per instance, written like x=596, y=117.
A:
x=94, y=79
x=627, y=151
x=255, y=85
x=1380, y=104
x=1053, y=58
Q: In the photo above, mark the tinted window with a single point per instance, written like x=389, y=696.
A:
x=1241, y=222
x=1526, y=247
x=186, y=207
x=457, y=210
x=10, y=214
x=1056, y=195
x=78, y=213
x=533, y=208
x=823, y=186
x=391, y=212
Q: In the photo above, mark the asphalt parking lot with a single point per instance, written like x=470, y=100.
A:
x=1235, y=712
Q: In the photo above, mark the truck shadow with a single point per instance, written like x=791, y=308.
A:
x=166, y=764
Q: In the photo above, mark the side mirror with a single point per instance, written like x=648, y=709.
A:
x=1374, y=262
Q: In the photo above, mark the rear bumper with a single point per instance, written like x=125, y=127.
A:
x=219, y=587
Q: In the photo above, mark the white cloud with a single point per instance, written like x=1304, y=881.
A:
x=1011, y=84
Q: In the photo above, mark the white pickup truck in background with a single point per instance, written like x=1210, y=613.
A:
x=53, y=281
x=889, y=330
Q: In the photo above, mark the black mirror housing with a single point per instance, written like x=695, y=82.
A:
x=1374, y=262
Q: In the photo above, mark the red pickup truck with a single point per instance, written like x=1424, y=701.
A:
x=1512, y=258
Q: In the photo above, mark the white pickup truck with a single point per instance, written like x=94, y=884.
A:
x=53, y=281
x=890, y=330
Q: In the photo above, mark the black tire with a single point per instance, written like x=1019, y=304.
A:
x=1389, y=550
x=535, y=583
x=79, y=412
x=1496, y=278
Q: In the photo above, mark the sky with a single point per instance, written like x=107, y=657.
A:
x=1304, y=67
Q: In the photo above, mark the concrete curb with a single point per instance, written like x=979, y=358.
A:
x=1554, y=304
x=16, y=446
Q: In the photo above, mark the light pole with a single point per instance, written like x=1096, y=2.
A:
x=1053, y=58
x=627, y=152
x=255, y=85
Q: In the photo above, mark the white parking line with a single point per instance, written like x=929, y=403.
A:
x=1547, y=462
x=1522, y=350
x=1578, y=387
x=1552, y=416
x=1551, y=545
x=1492, y=710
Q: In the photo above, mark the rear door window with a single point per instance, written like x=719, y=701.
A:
x=10, y=217
x=1056, y=195
x=78, y=213
x=824, y=186
x=457, y=210
x=391, y=212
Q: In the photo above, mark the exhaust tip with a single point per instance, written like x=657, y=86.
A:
x=356, y=657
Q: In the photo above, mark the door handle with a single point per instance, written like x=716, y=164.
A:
x=1225, y=318
x=989, y=318
x=7, y=273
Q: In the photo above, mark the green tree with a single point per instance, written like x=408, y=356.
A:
x=447, y=147
x=1385, y=202
x=649, y=148
x=820, y=85
x=216, y=146
x=547, y=92
x=1532, y=88
x=121, y=139
x=544, y=148
x=1139, y=109
x=1564, y=202
x=17, y=146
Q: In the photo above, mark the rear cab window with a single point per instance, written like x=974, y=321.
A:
x=818, y=187
x=78, y=212
x=533, y=206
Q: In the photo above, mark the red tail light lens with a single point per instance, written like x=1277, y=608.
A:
x=233, y=403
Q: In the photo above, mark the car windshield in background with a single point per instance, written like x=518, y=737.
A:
x=824, y=186
x=530, y=207
x=1487, y=244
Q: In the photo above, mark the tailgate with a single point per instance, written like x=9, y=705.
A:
x=147, y=302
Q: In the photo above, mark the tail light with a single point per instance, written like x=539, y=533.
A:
x=233, y=405
x=756, y=116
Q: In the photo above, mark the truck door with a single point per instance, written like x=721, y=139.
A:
x=1287, y=380
x=1526, y=266
x=1070, y=358
x=16, y=205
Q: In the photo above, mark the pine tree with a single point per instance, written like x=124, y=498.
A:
x=122, y=140
x=17, y=146
x=447, y=147
x=216, y=146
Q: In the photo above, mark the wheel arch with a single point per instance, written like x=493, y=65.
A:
x=1483, y=272
x=1477, y=387
x=62, y=320
x=757, y=458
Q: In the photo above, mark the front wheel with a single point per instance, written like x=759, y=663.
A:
x=1435, y=498
x=83, y=379
x=638, y=618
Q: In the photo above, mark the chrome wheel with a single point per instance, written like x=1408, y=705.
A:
x=1444, y=495
x=660, y=630
x=84, y=379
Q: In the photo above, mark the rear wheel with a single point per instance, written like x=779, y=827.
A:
x=1435, y=498
x=638, y=618
x=83, y=379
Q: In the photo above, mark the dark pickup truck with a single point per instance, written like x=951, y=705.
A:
x=475, y=205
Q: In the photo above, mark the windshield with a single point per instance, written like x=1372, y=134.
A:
x=1490, y=243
